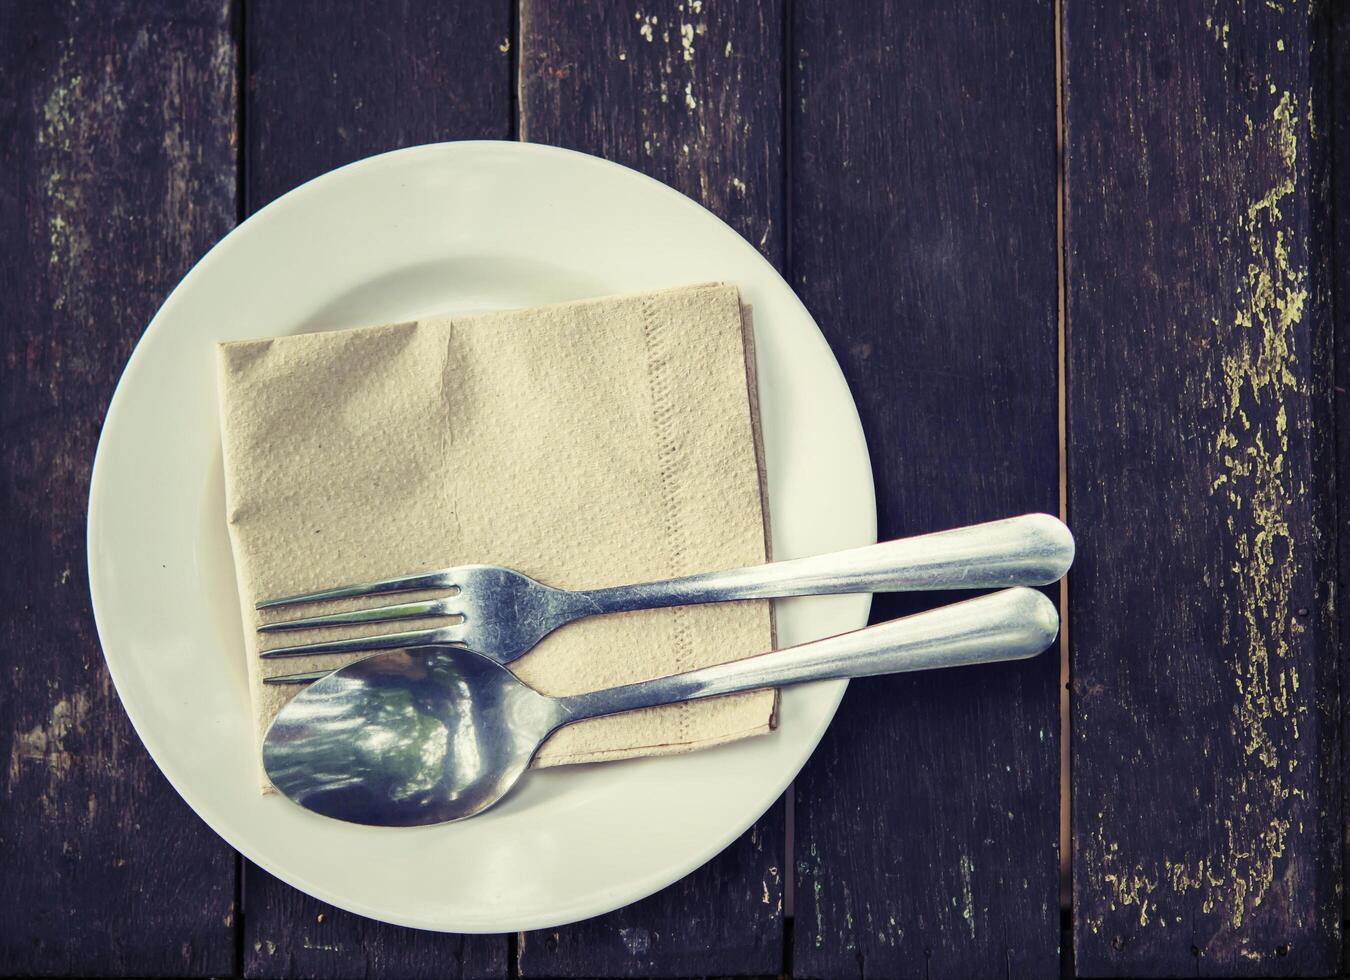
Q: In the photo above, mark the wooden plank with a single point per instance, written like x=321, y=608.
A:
x=323, y=90
x=923, y=239
x=290, y=934
x=715, y=922
x=691, y=93
x=116, y=141
x=1205, y=778
x=1339, y=54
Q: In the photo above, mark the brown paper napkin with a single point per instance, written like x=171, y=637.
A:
x=587, y=444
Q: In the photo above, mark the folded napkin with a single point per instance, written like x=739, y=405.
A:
x=587, y=444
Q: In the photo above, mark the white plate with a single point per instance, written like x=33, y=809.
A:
x=440, y=228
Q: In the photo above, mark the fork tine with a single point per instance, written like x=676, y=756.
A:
x=442, y=579
x=385, y=641
x=378, y=614
x=304, y=677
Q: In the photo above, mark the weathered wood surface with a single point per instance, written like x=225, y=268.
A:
x=324, y=89
x=691, y=93
x=1205, y=790
x=327, y=86
x=923, y=240
x=116, y=146
x=920, y=167
x=289, y=934
x=1339, y=53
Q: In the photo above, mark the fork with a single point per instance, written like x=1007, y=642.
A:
x=503, y=613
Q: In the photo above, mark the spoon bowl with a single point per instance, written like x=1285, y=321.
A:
x=408, y=737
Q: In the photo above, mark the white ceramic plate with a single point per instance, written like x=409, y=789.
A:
x=443, y=228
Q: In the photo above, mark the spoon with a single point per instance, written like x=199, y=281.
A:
x=425, y=736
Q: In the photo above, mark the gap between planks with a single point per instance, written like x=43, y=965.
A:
x=1061, y=402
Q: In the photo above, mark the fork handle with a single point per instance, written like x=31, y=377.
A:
x=1008, y=625
x=1034, y=549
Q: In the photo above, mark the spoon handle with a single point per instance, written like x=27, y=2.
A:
x=1008, y=625
x=1034, y=549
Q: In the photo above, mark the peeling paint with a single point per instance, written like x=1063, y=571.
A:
x=57, y=140
x=45, y=746
x=817, y=889
x=1257, y=380
x=1132, y=889
x=1257, y=370
x=967, y=896
x=636, y=940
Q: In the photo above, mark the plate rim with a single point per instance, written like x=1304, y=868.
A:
x=616, y=897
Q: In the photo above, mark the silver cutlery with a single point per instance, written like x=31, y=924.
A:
x=503, y=613
x=426, y=736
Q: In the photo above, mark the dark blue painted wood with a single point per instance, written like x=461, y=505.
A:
x=692, y=94
x=326, y=87
x=923, y=240
x=1339, y=110
x=1205, y=779
x=117, y=150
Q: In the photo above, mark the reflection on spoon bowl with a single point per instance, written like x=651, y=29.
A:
x=408, y=737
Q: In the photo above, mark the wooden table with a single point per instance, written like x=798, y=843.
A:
x=1082, y=256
